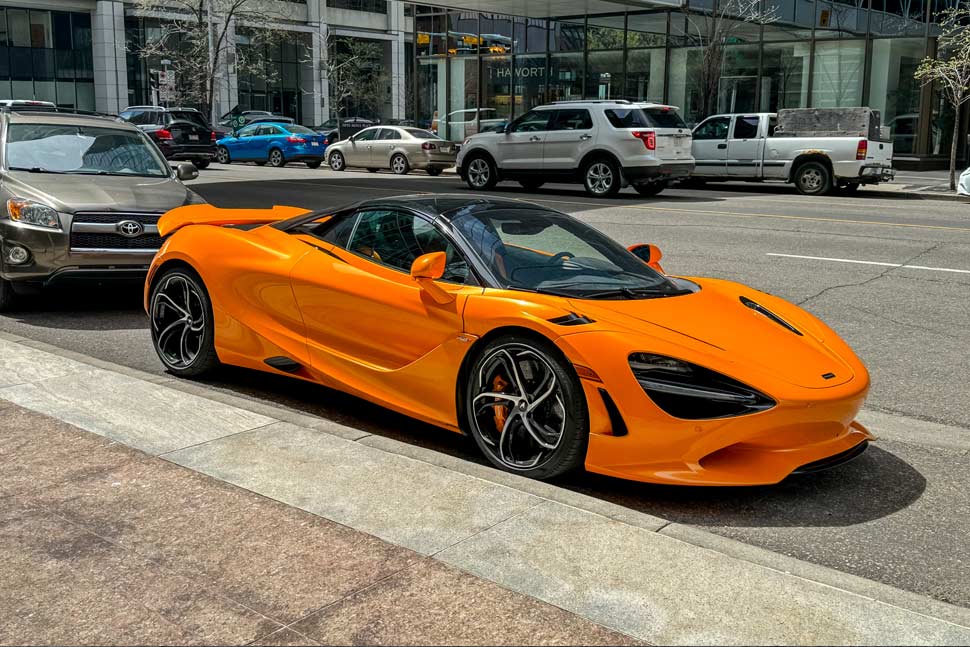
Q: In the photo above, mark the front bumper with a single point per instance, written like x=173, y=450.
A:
x=659, y=172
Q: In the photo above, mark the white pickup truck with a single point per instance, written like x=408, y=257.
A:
x=816, y=149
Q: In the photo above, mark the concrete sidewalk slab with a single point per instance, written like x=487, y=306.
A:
x=409, y=503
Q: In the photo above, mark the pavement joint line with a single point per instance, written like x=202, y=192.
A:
x=697, y=537
x=860, y=262
x=212, y=440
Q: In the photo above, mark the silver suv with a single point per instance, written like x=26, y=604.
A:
x=603, y=144
x=80, y=196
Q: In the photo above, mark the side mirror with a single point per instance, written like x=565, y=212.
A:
x=186, y=172
x=507, y=128
x=428, y=268
x=649, y=254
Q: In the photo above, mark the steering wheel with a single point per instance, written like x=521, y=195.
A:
x=560, y=257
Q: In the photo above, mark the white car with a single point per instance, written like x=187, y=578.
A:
x=963, y=186
x=605, y=145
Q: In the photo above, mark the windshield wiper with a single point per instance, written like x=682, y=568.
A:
x=35, y=169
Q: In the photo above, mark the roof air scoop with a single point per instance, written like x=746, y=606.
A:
x=757, y=307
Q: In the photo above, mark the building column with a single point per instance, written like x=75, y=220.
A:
x=398, y=75
x=108, y=46
x=313, y=73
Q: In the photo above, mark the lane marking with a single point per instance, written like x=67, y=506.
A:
x=850, y=260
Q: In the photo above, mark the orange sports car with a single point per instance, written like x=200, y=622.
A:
x=544, y=340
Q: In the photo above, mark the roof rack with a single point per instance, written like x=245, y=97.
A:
x=56, y=110
x=592, y=101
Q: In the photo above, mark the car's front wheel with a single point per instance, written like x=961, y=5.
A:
x=276, y=158
x=222, y=155
x=336, y=161
x=525, y=408
x=182, y=329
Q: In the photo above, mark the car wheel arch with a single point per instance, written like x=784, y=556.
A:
x=810, y=157
x=599, y=153
x=169, y=264
x=480, y=152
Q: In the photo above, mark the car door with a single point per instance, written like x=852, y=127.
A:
x=710, y=146
x=520, y=148
x=360, y=147
x=368, y=322
x=264, y=138
x=241, y=147
x=745, y=147
x=569, y=137
x=385, y=142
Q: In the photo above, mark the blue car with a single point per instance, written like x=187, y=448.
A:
x=272, y=143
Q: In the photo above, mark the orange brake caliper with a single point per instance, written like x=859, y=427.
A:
x=501, y=410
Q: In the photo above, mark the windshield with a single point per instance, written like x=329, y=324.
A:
x=544, y=251
x=90, y=150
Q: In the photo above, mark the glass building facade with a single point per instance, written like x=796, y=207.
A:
x=473, y=70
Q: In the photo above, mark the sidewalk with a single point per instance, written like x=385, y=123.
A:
x=142, y=509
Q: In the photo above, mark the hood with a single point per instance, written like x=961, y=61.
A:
x=70, y=193
x=716, y=316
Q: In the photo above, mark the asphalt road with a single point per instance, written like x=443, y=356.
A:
x=899, y=514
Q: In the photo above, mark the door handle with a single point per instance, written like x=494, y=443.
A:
x=722, y=146
x=534, y=138
x=583, y=138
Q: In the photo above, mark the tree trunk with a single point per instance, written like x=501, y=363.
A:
x=953, y=147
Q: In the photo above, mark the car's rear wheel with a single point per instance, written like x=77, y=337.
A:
x=182, y=329
x=650, y=189
x=222, y=155
x=314, y=164
x=200, y=164
x=433, y=171
x=481, y=174
x=813, y=178
x=531, y=185
x=276, y=158
x=6, y=295
x=399, y=164
x=336, y=161
x=525, y=408
x=601, y=177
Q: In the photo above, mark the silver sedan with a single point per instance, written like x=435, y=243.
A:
x=397, y=148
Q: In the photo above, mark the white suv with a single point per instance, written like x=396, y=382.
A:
x=603, y=144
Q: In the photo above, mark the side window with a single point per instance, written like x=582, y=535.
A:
x=572, y=119
x=387, y=133
x=334, y=229
x=396, y=239
x=366, y=135
x=139, y=117
x=272, y=130
x=248, y=132
x=714, y=128
x=746, y=127
x=772, y=122
x=533, y=121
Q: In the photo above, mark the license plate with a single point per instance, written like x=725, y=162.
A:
x=194, y=138
x=314, y=143
x=446, y=149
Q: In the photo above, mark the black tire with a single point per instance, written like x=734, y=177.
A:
x=176, y=294
x=601, y=177
x=222, y=155
x=6, y=295
x=336, y=161
x=531, y=185
x=200, y=164
x=276, y=159
x=813, y=178
x=373, y=170
x=314, y=163
x=650, y=189
x=564, y=408
x=433, y=171
x=400, y=164
x=480, y=173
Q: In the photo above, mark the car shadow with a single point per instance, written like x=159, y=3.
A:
x=94, y=307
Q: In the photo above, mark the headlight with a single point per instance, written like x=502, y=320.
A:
x=692, y=392
x=32, y=213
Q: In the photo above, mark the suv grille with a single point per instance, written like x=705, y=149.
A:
x=109, y=239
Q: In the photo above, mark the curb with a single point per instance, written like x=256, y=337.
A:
x=697, y=537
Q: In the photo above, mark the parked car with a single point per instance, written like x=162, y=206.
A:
x=276, y=143
x=963, y=186
x=603, y=144
x=344, y=127
x=180, y=133
x=399, y=149
x=233, y=123
x=26, y=102
x=81, y=196
x=814, y=149
x=462, y=123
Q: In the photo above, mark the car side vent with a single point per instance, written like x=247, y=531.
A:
x=572, y=319
x=757, y=307
x=284, y=364
x=616, y=420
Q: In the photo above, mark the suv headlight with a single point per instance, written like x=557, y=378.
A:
x=692, y=392
x=32, y=213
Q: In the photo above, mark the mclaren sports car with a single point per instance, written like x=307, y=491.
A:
x=551, y=345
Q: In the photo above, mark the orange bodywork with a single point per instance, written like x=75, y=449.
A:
x=369, y=330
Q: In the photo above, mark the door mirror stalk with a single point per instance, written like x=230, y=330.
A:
x=649, y=254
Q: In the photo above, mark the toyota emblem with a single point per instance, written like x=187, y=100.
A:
x=130, y=228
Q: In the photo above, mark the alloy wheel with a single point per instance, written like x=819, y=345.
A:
x=519, y=412
x=276, y=158
x=178, y=314
x=223, y=155
x=599, y=177
x=478, y=172
x=337, y=161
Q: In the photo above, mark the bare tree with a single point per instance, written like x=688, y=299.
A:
x=712, y=29
x=950, y=70
x=356, y=75
x=197, y=36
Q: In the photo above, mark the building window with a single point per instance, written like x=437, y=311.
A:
x=373, y=6
x=839, y=69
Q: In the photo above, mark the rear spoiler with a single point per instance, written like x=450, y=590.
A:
x=206, y=214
